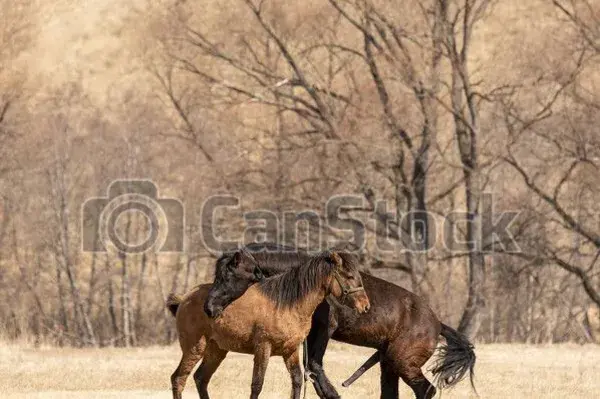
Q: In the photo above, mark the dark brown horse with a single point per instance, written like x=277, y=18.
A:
x=402, y=328
x=270, y=319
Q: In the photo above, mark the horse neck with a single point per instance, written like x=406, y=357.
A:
x=301, y=288
x=307, y=305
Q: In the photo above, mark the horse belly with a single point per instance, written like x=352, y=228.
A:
x=234, y=333
x=370, y=330
x=283, y=335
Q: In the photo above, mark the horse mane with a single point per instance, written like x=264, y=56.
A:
x=288, y=288
x=273, y=258
x=221, y=264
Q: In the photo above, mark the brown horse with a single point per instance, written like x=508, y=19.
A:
x=271, y=318
x=400, y=326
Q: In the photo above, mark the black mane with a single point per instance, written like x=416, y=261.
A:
x=293, y=285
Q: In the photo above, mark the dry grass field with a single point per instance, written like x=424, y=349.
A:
x=502, y=371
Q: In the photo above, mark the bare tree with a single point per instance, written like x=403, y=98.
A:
x=398, y=103
x=458, y=20
x=564, y=126
x=61, y=183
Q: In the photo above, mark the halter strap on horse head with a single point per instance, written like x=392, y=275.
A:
x=258, y=272
x=346, y=290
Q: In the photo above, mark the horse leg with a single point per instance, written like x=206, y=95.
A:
x=292, y=363
x=422, y=388
x=323, y=326
x=404, y=359
x=189, y=359
x=389, y=379
x=213, y=356
x=413, y=359
x=261, y=361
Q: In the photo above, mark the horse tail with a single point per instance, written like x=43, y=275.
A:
x=456, y=358
x=172, y=303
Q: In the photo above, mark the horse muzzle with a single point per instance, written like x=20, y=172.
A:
x=362, y=304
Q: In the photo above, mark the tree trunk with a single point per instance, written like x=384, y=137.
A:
x=466, y=125
x=161, y=292
x=139, y=301
x=125, y=302
x=62, y=310
x=471, y=318
x=112, y=313
x=126, y=311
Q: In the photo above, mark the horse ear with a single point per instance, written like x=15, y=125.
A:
x=248, y=255
x=336, y=259
x=237, y=258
